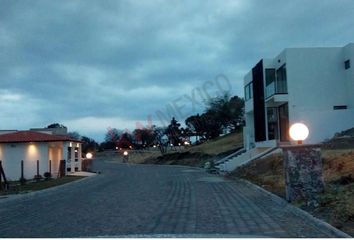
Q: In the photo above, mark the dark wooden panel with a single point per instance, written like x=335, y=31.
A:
x=258, y=103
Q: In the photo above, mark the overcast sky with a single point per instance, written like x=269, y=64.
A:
x=91, y=65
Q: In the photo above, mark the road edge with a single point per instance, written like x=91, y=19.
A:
x=299, y=212
x=13, y=197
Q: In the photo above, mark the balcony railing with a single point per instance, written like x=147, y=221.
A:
x=277, y=87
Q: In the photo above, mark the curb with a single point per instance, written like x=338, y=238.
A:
x=307, y=217
x=12, y=197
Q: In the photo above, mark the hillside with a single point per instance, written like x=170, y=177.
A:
x=199, y=154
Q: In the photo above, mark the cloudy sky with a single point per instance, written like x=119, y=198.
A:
x=91, y=65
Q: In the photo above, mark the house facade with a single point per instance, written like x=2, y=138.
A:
x=314, y=86
x=38, y=145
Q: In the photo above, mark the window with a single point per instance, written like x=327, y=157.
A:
x=281, y=85
x=76, y=154
x=347, y=64
x=340, y=107
x=69, y=153
x=249, y=91
x=270, y=81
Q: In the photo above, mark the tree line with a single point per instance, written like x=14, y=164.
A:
x=223, y=114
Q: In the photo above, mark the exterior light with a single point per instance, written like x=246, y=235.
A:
x=154, y=146
x=186, y=143
x=125, y=153
x=171, y=145
x=299, y=132
x=179, y=144
x=89, y=155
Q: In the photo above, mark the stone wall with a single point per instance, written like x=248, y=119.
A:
x=303, y=172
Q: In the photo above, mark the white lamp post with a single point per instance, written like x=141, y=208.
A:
x=299, y=132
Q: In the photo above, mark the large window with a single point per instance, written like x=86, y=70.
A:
x=276, y=81
x=270, y=81
x=272, y=115
x=249, y=91
x=281, y=83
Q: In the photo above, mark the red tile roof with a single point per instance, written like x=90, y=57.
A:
x=32, y=136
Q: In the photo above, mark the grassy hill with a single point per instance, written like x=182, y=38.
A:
x=199, y=154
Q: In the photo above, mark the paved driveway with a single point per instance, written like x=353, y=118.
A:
x=141, y=200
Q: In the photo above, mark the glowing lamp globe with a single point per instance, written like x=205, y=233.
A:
x=299, y=132
x=125, y=153
x=89, y=155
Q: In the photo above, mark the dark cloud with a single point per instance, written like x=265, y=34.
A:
x=98, y=64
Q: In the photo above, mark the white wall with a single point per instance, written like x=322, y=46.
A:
x=55, y=155
x=12, y=154
x=348, y=54
x=317, y=81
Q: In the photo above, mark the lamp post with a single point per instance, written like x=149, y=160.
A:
x=302, y=167
x=89, y=155
x=125, y=156
x=299, y=132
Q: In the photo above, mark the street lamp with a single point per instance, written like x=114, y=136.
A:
x=125, y=156
x=299, y=132
x=89, y=155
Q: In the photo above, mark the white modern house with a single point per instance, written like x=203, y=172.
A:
x=42, y=145
x=314, y=86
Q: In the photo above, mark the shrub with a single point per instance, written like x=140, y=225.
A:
x=47, y=175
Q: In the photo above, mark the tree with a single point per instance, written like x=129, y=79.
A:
x=196, y=125
x=160, y=136
x=111, y=137
x=125, y=141
x=74, y=135
x=211, y=127
x=237, y=110
x=173, y=132
x=89, y=145
x=144, y=136
x=227, y=111
x=56, y=125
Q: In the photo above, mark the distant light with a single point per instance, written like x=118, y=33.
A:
x=179, y=144
x=171, y=145
x=89, y=155
x=299, y=132
x=125, y=153
x=116, y=148
x=186, y=143
x=154, y=146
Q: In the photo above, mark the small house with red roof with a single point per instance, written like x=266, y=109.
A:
x=41, y=150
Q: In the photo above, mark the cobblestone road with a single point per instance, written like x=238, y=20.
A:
x=141, y=200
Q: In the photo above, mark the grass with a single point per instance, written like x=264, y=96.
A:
x=198, y=155
x=336, y=204
x=17, y=188
x=219, y=145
